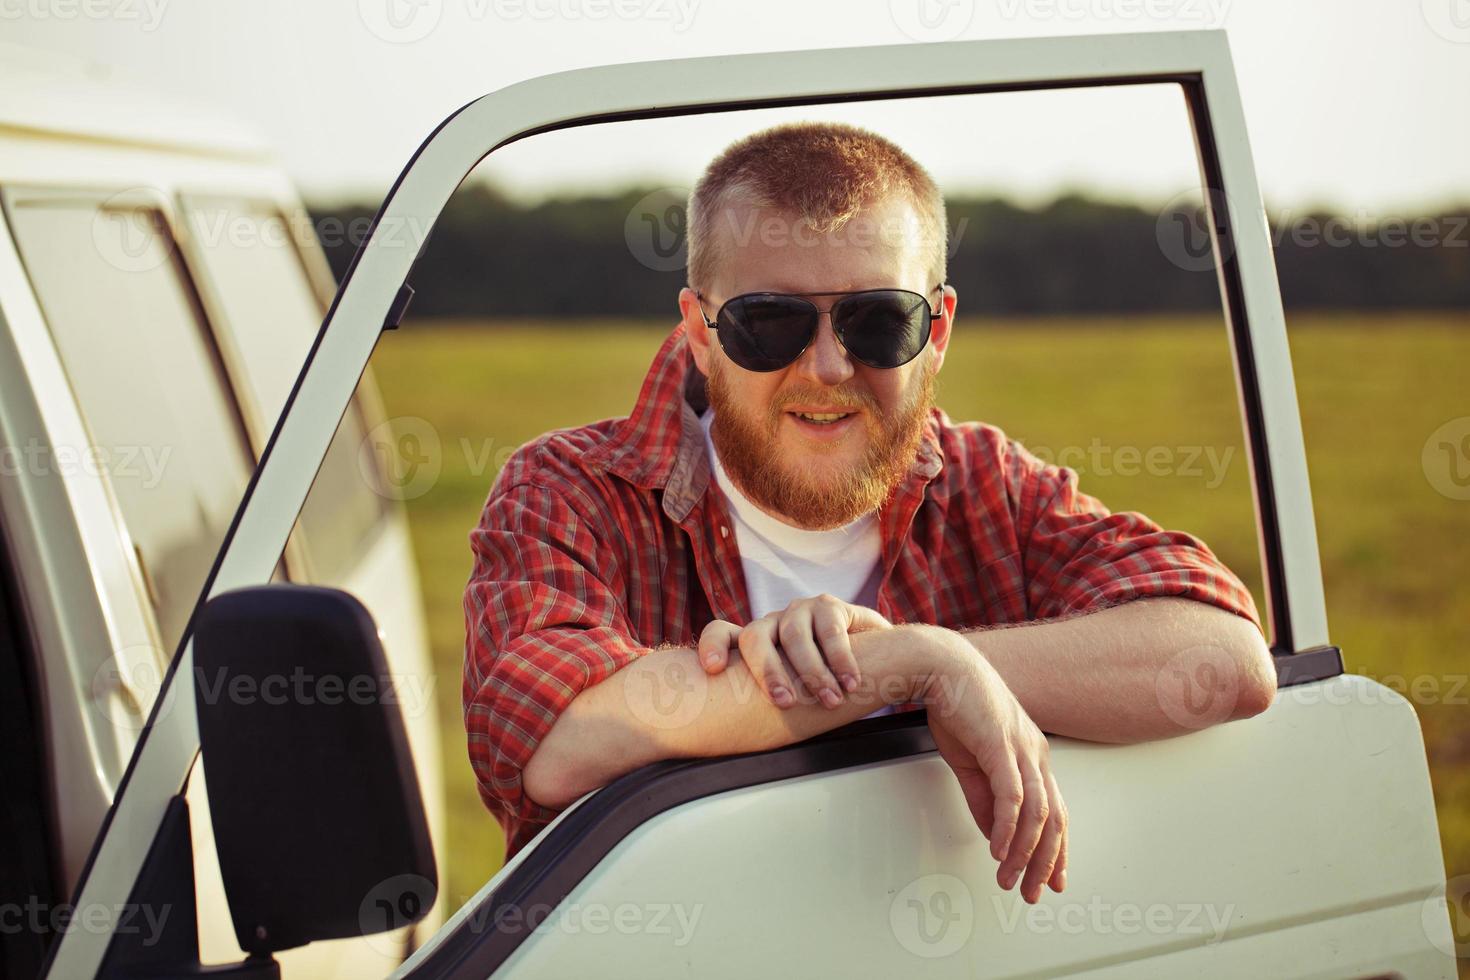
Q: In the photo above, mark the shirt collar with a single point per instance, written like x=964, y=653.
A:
x=661, y=444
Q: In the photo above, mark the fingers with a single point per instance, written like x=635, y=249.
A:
x=803, y=650
x=832, y=620
x=714, y=645
x=979, y=798
x=800, y=646
x=864, y=618
x=1058, y=878
x=1044, y=861
x=1035, y=812
x=1005, y=786
x=757, y=644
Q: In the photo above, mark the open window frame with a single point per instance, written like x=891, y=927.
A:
x=373, y=294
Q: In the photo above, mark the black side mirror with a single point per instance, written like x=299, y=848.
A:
x=312, y=788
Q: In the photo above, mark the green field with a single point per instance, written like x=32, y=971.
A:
x=1144, y=408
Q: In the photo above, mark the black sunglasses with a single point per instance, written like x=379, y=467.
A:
x=882, y=328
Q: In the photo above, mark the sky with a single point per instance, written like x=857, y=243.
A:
x=1356, y=105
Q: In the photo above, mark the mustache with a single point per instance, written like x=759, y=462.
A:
x=841, y=398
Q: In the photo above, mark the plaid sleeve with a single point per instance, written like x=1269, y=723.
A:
x=542, y=624
x=1079, y=556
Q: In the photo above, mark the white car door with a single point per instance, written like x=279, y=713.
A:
x=1301, y=842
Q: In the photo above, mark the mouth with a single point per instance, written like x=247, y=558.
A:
x=823, y=425
x=822, y=418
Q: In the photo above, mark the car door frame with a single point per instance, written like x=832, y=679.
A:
x=373, y=293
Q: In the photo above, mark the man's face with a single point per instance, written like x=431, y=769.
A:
x=809, y=473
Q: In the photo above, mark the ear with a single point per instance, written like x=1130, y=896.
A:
x=940, y=333
x=695, y=329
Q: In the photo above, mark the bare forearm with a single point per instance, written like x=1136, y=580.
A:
x=1147, y=669
x=664, y=706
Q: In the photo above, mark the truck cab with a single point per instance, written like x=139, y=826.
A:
x=1300, y=842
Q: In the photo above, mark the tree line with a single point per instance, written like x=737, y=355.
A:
x=622, y=255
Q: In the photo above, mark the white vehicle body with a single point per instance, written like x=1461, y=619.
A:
x=108, y=521
x=1302, y=842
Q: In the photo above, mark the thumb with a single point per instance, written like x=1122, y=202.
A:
x=863, y=618
x=715, y=642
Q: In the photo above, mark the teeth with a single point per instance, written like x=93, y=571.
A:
x=824, y=416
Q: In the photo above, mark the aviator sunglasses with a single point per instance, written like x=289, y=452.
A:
x=882, y=328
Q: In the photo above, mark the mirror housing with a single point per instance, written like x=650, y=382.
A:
x=312, y=790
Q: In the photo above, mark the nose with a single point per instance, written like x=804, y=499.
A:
x=825, y=361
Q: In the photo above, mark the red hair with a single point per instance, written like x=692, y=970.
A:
x=822, y=173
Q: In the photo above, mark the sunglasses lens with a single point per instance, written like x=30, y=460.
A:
x=883, y=328
x=766, y=332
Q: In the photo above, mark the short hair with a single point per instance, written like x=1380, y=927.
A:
x=825, y=173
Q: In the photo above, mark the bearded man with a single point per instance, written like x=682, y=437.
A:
x=788, y=518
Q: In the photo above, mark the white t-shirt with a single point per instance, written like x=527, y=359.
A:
x=783, y=562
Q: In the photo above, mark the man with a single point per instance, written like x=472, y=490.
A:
x=787, y=527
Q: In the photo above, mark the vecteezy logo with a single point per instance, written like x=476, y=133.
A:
x=932, y=20
x=1198, y=687
x=392, y=904
x=1446, y=459
x=933, y=916
x=400, y=21
x=1183, y=229
x=1450, y=901
x=657, y=229
x=125, y=686
x=665, y=696
x=128, y=236
x=402, y=458
x=1450, y=19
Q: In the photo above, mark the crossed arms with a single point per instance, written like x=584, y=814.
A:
x=1146, y=669
x=1120, y=631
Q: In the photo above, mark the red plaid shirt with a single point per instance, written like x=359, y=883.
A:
x=600, y=542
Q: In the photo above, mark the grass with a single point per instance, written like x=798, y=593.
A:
x=1371, y=389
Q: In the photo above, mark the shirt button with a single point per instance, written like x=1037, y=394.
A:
x=724, y=531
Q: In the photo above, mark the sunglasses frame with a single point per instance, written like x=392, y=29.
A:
x=713, y=324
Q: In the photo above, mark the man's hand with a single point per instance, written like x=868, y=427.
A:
x=1003, y=765
x=806, y=641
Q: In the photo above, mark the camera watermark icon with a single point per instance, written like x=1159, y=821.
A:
x=656, y=229
x=1450, y=19
x=125, y=686
x=1445, y=916
x=1446, y=459
x=932, y=20
x=933, y=916
x=147, y=14
x=1198, y=687
x=392, y=904
x=402, y=457
x=400, y=21
x=668, y=695
x=1183, y=229
x=131, y=235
